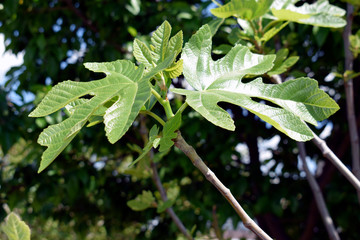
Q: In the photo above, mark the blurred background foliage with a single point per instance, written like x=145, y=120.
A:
x=83, y=194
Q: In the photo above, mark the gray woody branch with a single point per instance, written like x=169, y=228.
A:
x=190, y=152
x=319, y=199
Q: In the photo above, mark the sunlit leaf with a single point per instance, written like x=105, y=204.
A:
x=273, y=31
x=142, y=53
x=133, y=7
x=245, y=9
x=201, y=71
x=298, y=100
x=160, y=56
x=159, y=40
x=215, y=25
x=320, y=13
x=175, y=69
x=282, y=63
x=175, y=44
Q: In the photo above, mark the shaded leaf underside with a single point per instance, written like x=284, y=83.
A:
x=122, y=81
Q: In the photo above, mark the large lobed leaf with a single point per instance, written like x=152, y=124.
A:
x=201, y=71
x=245, y=9
x=299, y=100
x=124, y=88
x=320, y=13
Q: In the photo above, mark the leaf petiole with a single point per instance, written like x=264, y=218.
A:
x=153, y=115
x=182, y=108
x=271, y=24
x=164, y=102
x=157, y=96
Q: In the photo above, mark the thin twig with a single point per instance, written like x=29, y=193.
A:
x=349, y=92
x=330, y=155
x=170, y=211
x=190, y=152
x=320, y=202
x=144, y=131
x=215, y=224
x=153, y=115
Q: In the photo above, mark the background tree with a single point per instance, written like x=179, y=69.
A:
x=84, y=192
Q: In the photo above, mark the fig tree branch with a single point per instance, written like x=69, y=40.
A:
x=349, y=92
x=319, y=199
x=190, y=152
x=170, y=211
x=156, y=179
x=330, y=155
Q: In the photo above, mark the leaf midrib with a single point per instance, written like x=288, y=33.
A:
x=271, y=99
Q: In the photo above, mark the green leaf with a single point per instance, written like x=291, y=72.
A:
x=153, y=142
x=161, y=66
x=282, y=63
x=169, y=132
x=222, y=49
x=175, y=69
x=175, y=44
x=355, y=44
x=162, y=206
x=142, y=202
x=320, y=13
x=242, y=37
x=299, y=100
x=133, y=7
x=162, y=54
x=321, y=35
x=350, y=75
x=273, y=31
x=124, y=82
x=15, y=229
x=215, y=25
x=201, y=71
x=289, y=15
x=245, y=9
x=159, y=41
x=246, y=31
x=142, y=53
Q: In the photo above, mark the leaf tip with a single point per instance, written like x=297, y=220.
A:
x=35, y=113
x=32, y=114
x=41, y=168
x=44, y=164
